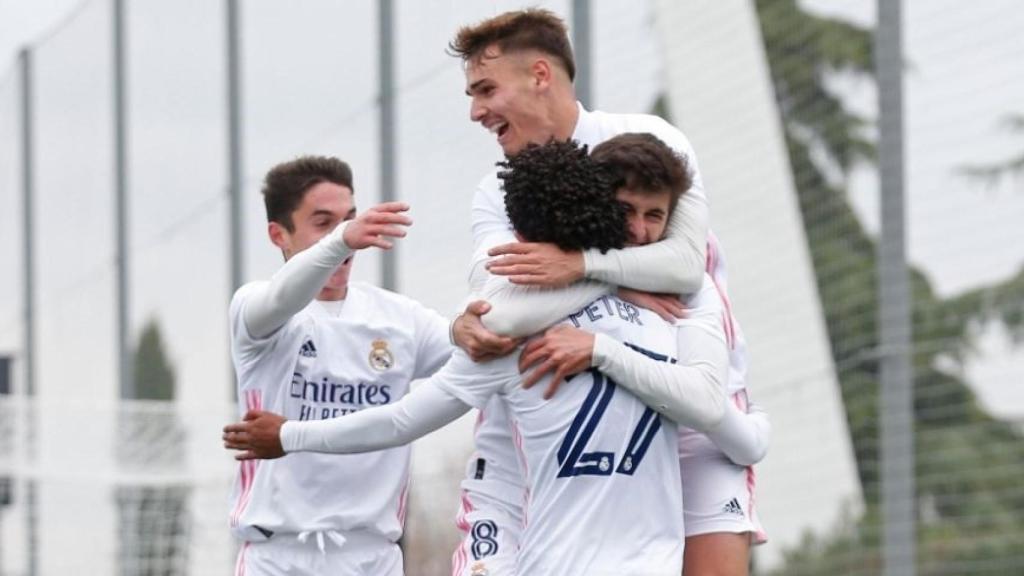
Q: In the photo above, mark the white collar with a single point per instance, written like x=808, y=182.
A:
x=586, y=131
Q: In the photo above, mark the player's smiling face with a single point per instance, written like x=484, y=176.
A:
x=323, y=207
x=505, y=92
x=646, y=215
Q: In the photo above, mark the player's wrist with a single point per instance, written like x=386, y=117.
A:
x=451, y=329
x=290, y=436
x=603, y=350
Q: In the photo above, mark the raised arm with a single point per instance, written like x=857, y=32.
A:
x=269, y=305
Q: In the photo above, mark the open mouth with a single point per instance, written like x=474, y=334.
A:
x=499, y=129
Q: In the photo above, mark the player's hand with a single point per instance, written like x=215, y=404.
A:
x=668, y=306
x=471, y=335
x=258, y=436
x=376, y=225
x=536, y=264
x=562, y=349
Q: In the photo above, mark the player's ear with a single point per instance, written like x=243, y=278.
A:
x=279, y=235
x=541, y=72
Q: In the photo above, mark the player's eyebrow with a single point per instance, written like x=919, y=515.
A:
x=322, y=212
x=475, y=86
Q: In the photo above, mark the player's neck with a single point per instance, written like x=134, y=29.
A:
x=566, y=115
x=332, y=294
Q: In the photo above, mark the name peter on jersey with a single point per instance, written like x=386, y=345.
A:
x=613, y=307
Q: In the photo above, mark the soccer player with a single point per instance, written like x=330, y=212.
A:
x=519, y=69
x=519, y=72
x=311, y=345
x=602, y=468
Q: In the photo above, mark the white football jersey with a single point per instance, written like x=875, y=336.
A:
x=733, y=333
x=329, y=360
x=602, y=470
x=493, y=474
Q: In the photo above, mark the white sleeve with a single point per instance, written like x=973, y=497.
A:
x=515, y=310
x=675, y=265
x=270, y=305
x=524, y=310
x=423, y=410
x=742, y=436
x=476, y=382
x=691, y=392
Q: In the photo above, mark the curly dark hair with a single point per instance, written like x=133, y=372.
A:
x=557, y=193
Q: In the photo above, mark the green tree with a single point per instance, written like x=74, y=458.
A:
x=153, y=373
x=992, y=173
x=153, y=519
x=969, y=463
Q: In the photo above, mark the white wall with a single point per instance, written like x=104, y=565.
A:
x=721, y=96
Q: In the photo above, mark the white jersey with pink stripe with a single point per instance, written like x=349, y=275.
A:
x=734, y=334
x=323, y=363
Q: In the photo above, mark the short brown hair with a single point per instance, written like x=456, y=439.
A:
x=287, y=183
x=530, y=29
x=644, y=163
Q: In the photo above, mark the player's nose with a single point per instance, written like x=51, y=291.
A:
x=635, y=230
x=476, y=111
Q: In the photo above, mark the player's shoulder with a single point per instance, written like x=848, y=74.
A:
x=244, y=292
x=489, y=187
x=634, y=123
x=613, y=124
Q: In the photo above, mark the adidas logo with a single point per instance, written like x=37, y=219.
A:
x=308, y=349
x=733, y=507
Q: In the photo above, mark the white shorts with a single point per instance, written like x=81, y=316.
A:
x=285, y=554
x=490, y=539
x=718, y=495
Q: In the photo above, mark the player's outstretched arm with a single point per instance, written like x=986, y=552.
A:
x=266, y=435
x=690, y=392
x=270, y=305
x=742, y=436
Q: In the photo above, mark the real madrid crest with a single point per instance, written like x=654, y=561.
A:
x=479, y=569
x=381, y=359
